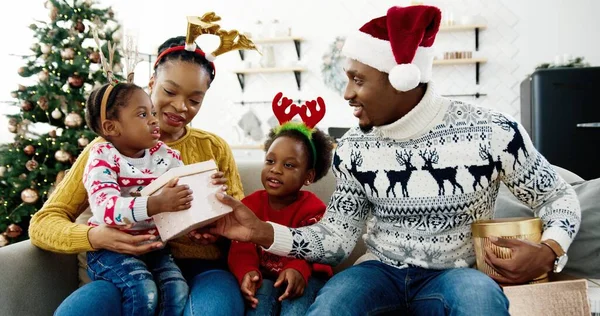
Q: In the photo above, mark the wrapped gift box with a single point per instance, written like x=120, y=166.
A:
x=205, y=207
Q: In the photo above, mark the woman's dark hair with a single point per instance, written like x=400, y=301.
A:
x=323, y=146
x=118, y=97
x=184, y=55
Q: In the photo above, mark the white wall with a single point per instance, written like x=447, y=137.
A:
x=520, y=35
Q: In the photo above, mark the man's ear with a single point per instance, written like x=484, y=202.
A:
x=111, y=128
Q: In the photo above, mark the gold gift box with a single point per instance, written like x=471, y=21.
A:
x=524, y=228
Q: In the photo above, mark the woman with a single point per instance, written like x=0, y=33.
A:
x=180, y=81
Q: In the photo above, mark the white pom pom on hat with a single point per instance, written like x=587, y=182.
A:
x=398, y=43
x=405, y=77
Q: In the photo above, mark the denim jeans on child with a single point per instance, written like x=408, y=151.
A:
x=147, y=283
x=268, y=295
x=375, y=288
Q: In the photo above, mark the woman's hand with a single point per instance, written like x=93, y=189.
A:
x=295, y=283
x=113, y=239
x=250, y=283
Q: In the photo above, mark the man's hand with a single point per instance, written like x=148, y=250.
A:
x=250, y=283
x=528, y=260
x=242, y=224
x=113, y=239
x=295, y=283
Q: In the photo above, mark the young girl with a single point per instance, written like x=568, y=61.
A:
x=131, y=158
x=296, y=155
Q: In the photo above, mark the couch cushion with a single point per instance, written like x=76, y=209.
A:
x=584, y=252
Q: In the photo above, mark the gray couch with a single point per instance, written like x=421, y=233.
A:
x=34, y=282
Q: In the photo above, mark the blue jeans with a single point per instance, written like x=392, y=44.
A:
x=374, y=288
x=213, y=291
x=146, y=282
x=268, y=303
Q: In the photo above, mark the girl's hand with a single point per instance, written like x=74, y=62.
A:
x=113, y=239
x=172, y=198
x=250, y=283
x=295, y=283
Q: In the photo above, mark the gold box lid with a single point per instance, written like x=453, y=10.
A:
x=512, y=226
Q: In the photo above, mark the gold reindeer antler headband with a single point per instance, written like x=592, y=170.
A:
x=131, y=56
x=230, y=40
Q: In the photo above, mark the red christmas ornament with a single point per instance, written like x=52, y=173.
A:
x=26, y=106
x=79, y=26
x=29, y=150
x=75, y=81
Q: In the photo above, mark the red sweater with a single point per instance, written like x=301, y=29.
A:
x=245, y=257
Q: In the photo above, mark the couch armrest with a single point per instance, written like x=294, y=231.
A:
x=34, y=281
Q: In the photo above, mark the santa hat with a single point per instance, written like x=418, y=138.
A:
x=399, y=44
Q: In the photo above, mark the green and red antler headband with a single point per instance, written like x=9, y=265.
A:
x=311, y=112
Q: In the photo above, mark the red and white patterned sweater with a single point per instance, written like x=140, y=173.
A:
x=110, y=178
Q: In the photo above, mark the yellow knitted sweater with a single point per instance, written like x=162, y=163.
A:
x=53, y=228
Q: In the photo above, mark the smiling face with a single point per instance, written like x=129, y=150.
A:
x=286, y=169
x=177, y=91
x=375, y=101
x=136, y=128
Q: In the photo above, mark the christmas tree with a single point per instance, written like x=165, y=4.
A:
x=65, y=63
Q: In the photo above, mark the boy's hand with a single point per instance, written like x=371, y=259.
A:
x=202, y=238
x=172, y=198
x=295, y=283
x=250, y=283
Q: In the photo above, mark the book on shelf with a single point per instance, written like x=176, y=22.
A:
x=205, y=207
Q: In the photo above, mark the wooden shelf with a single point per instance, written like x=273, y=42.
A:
x=461, y=61
x=277, y=40
x=272, y=40
x=470, y=27
x=241, y=73
x=475, y=61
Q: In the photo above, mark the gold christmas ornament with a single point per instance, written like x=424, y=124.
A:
x=73, y=120
x=56, y=114
x=43, y=103
x=14, y=94
x=52, y=133
x=29, y=150
x=94, y=57
x=12, y=128
x=13, y=231
x=67, y=53
x=13, y=121
x=62, y=155
x=2, y=171
x=29, y=196
x=21, y=88
x=3, y=240
x=82, y=141
x=53, y=14
x=31, y=165
x=45, y=48
x=26, y=106
x=43, y=75
x=21, y=71
x=75, y=81
x=22, y=176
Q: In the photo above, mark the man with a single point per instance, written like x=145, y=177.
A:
x=448, y=159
